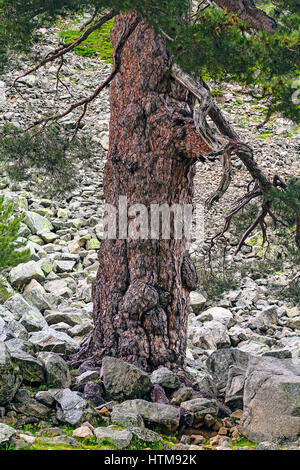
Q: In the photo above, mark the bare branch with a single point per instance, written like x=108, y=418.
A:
x=59, y=52
x=247, y=11
x=225, y=181
x=85, y=101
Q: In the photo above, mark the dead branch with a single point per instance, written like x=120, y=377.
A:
x=225, y=181
x=90, y=20
x=62, y=50
x=247, y=11
x=85, y=101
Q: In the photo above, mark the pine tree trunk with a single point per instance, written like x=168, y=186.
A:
x=141, y=295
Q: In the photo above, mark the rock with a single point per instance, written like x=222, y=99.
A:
x=158, y=395
x=93, y=244
x=63, y=266
x=294, y=323
x=28, y=316
x=199, y=408
x=30, y=440
x=165, y=417
x=254, y=348
x=81, y=330
x=24, y=404
x=123, y=380
x=126, y=418
x=17, y=306
x=271, y=400
x=73, y=409
x=212, y=335
x=37, y=223
x=4, y=330
x=31, y=369
x=119, y=439
x=219, y=314
x=267, y=318
x=267, y=446
x=293, y=312
x=87, y=376
x=219, y=363
x=70, y=318
x=45, y=398
x=53, y=341
x=165, y=378
x=6, y=291
x=182, y=394
x=6, y=433
x=25, y=272
x=84, y=432
x=145, y=435
x=205, y=382
x=57, y=372
x=36, y=296
x=235, y=387
x=10, y=378
x=59, y=288
x=62, y=441
x=93, y=392
x=197, y=301
x=74, y=246
x=16, y=344
x=33, y=320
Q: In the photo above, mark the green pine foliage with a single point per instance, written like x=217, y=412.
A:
x=286, y=202
x=217, y=45
x=49, y=158
x=12, y=251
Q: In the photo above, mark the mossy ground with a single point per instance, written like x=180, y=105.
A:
x=98, y=43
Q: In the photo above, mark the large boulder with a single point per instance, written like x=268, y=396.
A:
x=165, y=417
x=121, y=416
x=212, y=335
x=27, y=315
x=220, y=314
x=24, y=404
x=53, y=341
x=272, y=400
x=32, y=370
x=197, y=301
x=25, y=272
x=123, y=380
x=56, y=370
x=199, y=408
x=165, y=378
x=6, y=433
x=37, y=223
x=73, y=409
x=119, y=439
x=220, y=362
x=10, y=378
x=69, y=317
x=36, y=295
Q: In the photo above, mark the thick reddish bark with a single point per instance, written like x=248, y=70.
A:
x=141, y=295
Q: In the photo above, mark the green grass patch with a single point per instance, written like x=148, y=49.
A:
x=98, y=43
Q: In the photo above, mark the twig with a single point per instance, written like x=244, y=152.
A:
x=59, y=52
x=85, y=101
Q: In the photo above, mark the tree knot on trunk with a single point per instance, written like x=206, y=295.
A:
x=139, y=298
